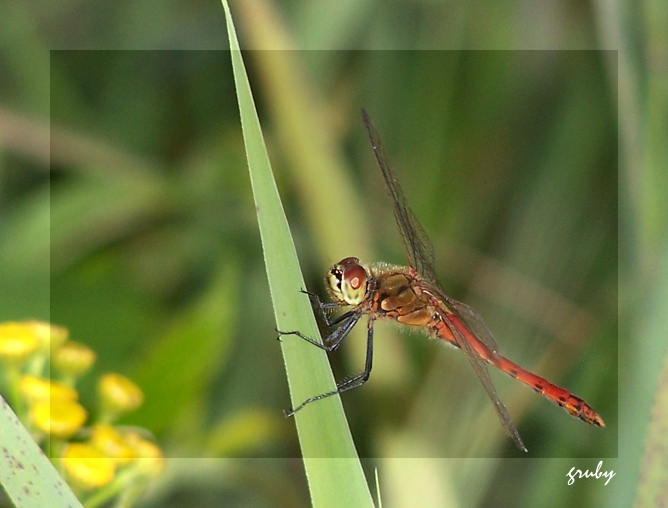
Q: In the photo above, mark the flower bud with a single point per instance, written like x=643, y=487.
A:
x=119, y=395
x=17, y=343
x=111, y=443
x=73, y=359
x=58, y=418
x=50, y=337
x=87, y=467
x=149, y=456
x=36, y=389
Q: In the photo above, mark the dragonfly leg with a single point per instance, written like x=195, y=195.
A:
x=345, y=323
x=347, y=384
x=322, y=308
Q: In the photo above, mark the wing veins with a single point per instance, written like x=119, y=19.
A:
x=481, y=370
x=419, y=249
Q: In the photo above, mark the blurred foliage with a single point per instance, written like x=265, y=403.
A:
x=137, y=231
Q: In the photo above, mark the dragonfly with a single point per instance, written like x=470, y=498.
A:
x=413, y=297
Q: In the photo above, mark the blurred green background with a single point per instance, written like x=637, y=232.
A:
x=137, y=229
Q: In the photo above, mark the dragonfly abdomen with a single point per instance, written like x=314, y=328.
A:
x=574, y=405
x=560, y=396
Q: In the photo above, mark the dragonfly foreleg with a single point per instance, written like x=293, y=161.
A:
x=332, y=341
x=322, y=308
x=349, y=383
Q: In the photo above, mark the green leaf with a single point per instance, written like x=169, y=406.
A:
x=27, y=476
x=195, y=344
x=332, y=466
x=652, y=490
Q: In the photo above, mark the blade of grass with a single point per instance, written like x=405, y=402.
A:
x=332, y=466
x=27, y=476
x=653, y=483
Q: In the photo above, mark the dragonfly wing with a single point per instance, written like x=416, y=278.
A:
x=474, y=322
x=419, y=249
x=420, y=253
x=481, y=370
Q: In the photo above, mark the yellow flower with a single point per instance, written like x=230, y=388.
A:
x=73, y=358
x=87, y=467
x=36, y=389
x=58, y=418
x=111, y=443
x=17, y=342
x=119, y=394
x=149, y=455
x=50, y=336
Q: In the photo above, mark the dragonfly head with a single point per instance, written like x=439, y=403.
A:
x=347, y=282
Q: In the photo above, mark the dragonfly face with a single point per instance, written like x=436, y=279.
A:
x=347, y=282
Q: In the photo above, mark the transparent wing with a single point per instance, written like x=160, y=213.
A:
x=481, y=370
x=419, y=250
x=420, y=253
x=473, y=322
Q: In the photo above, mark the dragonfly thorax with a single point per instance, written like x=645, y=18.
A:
x=347, y=282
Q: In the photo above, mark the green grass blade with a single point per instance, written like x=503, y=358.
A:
x=27, y=476
x=332, y=466
x=653, y=482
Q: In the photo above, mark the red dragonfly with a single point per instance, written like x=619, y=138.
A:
x=412, y=296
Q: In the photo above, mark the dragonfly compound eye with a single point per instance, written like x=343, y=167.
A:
x=353, y=284
x=347, y=282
